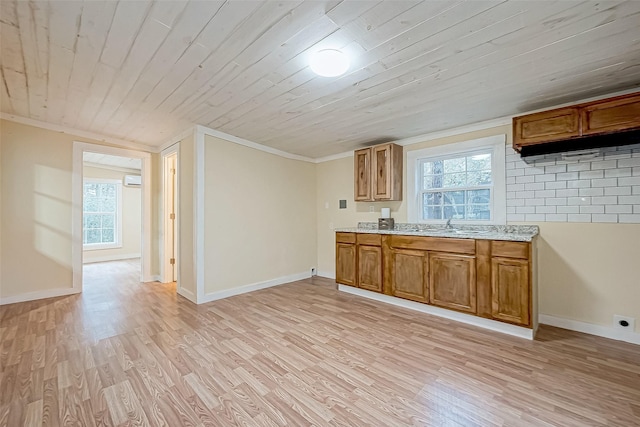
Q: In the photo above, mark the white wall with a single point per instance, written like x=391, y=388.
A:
x=131, y=218
x=260, y=216
x=586, y=271
x=36, y=169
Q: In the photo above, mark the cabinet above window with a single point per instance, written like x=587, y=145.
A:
x=378, y=173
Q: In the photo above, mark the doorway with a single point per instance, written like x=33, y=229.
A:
x=170, y=214
x=111, y=214
x=78, y=230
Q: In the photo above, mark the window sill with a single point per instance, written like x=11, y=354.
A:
x=100, y=246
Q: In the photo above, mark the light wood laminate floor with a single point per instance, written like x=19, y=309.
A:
x=125, y=353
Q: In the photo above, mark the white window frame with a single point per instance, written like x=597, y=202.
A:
x=118, y=228
x=496, y=144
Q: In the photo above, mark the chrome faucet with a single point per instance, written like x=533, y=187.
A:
x=448, y=225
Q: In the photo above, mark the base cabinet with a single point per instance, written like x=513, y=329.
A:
x=409, y=274
x=370, y=268
x=487, y=278
x=346, y=263
x=510, y=290
x=452, y=281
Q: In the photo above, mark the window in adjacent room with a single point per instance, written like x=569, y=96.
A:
x=102, y=214
x=464, y=182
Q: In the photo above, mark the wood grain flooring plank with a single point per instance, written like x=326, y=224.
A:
x=125, y=353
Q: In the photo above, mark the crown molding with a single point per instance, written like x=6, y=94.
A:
x=77, y=132
x=231, y=138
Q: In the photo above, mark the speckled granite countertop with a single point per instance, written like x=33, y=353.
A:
x=517, y=233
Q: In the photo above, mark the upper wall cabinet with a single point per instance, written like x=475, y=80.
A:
x=618, y=114
x=378, y=173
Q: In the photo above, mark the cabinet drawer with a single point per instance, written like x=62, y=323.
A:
x=444, y=244
x=369, y=239
x=345, y=237
x=510, y=249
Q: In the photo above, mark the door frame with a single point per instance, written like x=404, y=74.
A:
x=79, y=148
x=165, y=243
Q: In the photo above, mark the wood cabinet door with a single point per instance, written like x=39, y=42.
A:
x=362, y=171
x=452, y=281
x=510, y=290
x=409, y=274
x=554, y=125
x=618, y=114
x=370, y=268
x=382, y=172
x=346, y=264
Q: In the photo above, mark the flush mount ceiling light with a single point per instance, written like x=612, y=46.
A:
x=329, y=63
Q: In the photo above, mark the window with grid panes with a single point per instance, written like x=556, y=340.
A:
x=101, y=213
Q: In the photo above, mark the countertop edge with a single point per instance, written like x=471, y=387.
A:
x=513, y=237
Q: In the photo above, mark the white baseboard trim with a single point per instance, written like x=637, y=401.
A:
x=212, y=296
x=32, y=296
x=327, y=274
x=155, y=278
x=590, y=328
x=505, y=328
x=106, y=258
x=187, y=294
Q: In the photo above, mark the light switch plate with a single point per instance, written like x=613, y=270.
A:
x=343, y=204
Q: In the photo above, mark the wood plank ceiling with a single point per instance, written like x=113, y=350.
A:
x=145, y=70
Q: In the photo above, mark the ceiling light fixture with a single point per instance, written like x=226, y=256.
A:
x=329, y=63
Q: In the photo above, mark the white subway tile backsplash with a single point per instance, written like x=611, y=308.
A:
x=603, y=164
x=524, y=179
x=591, y=209
x=555, y=169
x=582, y=183
x=618, y=209
x=554, y=185
x=629, y=200
x=534, y=171
x=545, y=178
x=629, y=181
x=605, y=189
x=604, y=218
x=534, y=217
x=568, y=209
x=534, y=186
x=567, y=176
x=591, y=174
x=617, y=173
x=591, y=192
x=606, y=200
x=546, y=193
x=555, y=218
x=546, y=209
x=556, y=201
x=633, y=218
x=534, y=202
x=579, y=217
x=604, y=182
x=617, y=191
x=578, y=201
x=623, y=163
x=570, y=192
x=573, y=167
x=525, y=209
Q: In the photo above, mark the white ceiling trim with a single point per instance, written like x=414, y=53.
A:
x=174, y=140
x=251, y=144
x=77, y=132
x=111, y=168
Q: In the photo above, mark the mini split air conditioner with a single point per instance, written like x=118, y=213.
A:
x=132, y=180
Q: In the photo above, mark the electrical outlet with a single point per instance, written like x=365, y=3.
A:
x=330, y=226
x=313, y=271
x=624, y=323
x=371, y=209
